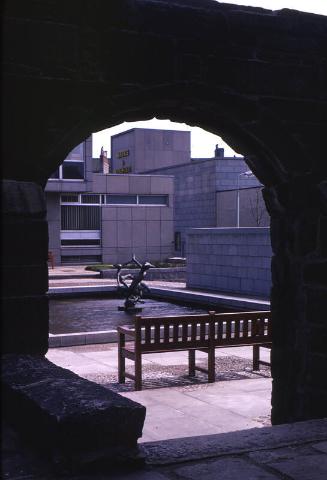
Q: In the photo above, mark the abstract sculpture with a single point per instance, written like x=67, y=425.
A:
x=134, y=290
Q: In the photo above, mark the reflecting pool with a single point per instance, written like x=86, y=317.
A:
x=73, y=315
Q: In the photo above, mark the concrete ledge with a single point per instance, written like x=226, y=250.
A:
x=83, y=338
x=173, y=274
x=80, y=291
x=210, y=446
x=74, y=421
x=211, y=299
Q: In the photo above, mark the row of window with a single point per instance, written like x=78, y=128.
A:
x=111, y=199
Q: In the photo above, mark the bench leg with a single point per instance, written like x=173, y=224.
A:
x=191, y=363
x=211, y=365
x=256, y=357
x=138, y=372
x=121, y=358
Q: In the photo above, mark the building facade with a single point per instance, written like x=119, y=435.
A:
x=145, y=198
x=214, y=192
x=106, y=218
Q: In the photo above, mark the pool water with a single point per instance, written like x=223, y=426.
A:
x=72, y=315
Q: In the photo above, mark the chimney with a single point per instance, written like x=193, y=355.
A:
x=219, y=152
x=104, y=161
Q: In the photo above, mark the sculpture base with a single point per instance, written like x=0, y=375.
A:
x=130, y=310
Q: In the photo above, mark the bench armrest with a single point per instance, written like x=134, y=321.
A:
x=127, y=330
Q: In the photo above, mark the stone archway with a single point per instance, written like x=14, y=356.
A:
x=255, y=77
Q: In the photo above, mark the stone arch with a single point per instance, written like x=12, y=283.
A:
x=254, y=76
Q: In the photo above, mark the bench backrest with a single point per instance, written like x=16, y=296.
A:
x=201, y=331
x=175, y=332
x=242, y=328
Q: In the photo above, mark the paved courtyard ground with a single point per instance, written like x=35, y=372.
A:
x=179, y=405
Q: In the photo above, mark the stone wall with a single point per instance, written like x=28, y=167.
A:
x=24, y=269
x=253, y=76
x=230, y=260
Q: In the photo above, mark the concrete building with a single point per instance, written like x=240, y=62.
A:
x=99, y=217
x=103, y=210
x=141, y=149
x=214, y=192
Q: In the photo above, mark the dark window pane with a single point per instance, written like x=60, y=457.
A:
x=69, y=198
x=80, y=242
x=73, y=170
x=91, y=199
x=153, y=199
x=121, y=199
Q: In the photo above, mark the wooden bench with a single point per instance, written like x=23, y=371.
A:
x=191, y=332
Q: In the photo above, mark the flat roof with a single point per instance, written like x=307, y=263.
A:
x=149, y=129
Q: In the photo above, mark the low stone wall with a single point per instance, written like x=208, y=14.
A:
x=231, y=260
x=75, y=422
x=173, y=274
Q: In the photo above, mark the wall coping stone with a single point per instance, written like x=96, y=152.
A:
x=228, y=230
x=74, y=421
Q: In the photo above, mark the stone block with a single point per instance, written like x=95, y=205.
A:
x=22, y=198
x=117, y=184
x=25, y=324
x=139, y=234
x=124, y=234
x=109, y=213
x=124, y=213
x=72, y=420
x=139, y=213
x=140, y=184
x=153, y=234
x=153, y=213
x=24, y=241
x=16, y=280
x=99, y=183
x=162, y=185
x=109, y=234
x=228, y=468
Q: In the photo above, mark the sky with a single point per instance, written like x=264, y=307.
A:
x=202, y=142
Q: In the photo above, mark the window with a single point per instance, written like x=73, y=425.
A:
x=153, y=199
x=96, y=199
x=80, y=242
x=77, y=217
x=72, y=167
x=72, y=170
x=137, y=200
x=69, y=199
x=121, y=199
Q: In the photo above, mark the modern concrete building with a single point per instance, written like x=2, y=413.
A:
x=214, y=192
x=141, y=149
x=103, y=210
x=98, y=217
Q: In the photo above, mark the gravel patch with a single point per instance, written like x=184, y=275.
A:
x=159, y=376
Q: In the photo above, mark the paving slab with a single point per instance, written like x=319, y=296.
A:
x=308, y=467
x=225, y=469
x=202, y=447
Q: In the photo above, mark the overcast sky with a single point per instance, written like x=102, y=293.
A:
x=202, y=142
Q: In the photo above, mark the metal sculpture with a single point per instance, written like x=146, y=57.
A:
x=135, y=289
